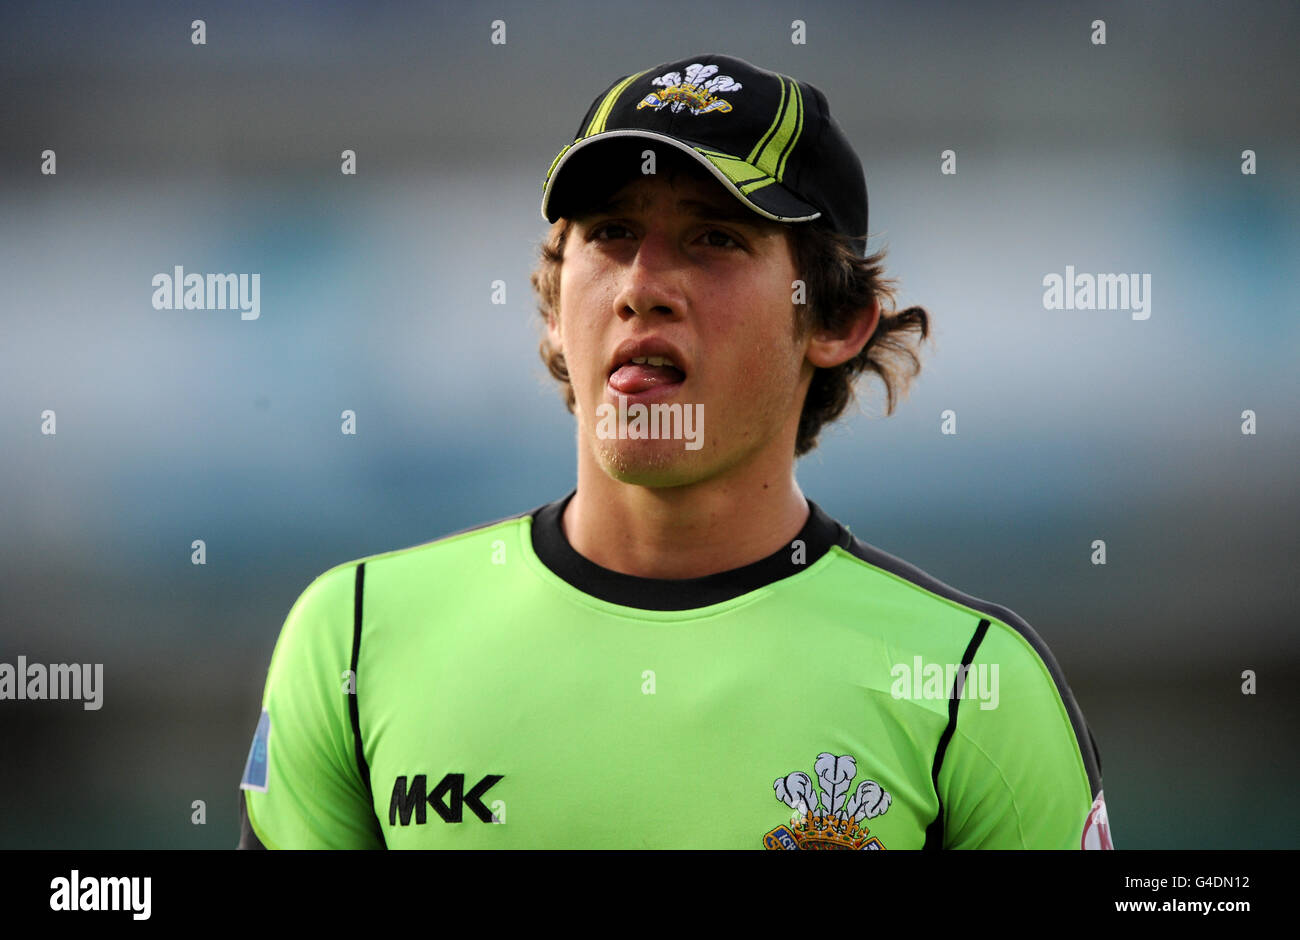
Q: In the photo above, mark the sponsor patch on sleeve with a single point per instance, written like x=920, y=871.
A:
x=255, y=768
x=1096, y=828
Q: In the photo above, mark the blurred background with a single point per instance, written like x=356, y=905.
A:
x=175, y=425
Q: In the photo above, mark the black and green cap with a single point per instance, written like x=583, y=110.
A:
x=768, y=138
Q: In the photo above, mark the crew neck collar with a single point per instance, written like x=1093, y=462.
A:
x=819, y=533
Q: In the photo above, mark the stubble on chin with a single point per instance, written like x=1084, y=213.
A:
x=644, y=463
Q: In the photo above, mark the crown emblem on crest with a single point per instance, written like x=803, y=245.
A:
x=831, y=818
x=697, y=92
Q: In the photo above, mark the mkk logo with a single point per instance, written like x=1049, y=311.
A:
x=448, y=799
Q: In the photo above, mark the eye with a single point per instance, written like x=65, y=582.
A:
x=617, y=231
x=716, y=232
x=595, y=233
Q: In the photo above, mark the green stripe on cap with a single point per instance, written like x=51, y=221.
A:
x=563, y=151
x=785, y=154
x=743, y=176
x=770, y=154
x=735, y=169
x=765, y=181
x=602, y=113
x=776, y=120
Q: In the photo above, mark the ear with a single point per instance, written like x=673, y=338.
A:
x=553, y=331
x=827, y=349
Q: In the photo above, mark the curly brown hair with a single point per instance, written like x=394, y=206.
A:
x=839, y=283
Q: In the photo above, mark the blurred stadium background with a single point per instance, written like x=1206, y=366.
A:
x=375, y=296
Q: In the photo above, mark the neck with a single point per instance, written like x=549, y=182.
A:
x=688, y=531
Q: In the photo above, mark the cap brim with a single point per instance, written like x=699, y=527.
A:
x=584, y=168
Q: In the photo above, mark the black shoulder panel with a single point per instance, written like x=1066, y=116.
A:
x=247, y=837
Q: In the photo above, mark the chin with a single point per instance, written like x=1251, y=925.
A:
x=649, y=463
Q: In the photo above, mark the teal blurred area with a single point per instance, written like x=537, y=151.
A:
x=376, y=297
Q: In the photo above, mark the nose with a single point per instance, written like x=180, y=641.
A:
x=653, y=280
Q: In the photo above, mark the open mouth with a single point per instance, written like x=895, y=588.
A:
x=644, y=373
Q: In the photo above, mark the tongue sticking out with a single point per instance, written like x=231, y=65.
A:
x=634, y=377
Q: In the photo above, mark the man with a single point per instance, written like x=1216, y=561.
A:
x=684, y=652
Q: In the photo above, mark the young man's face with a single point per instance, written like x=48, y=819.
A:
x=674, y=257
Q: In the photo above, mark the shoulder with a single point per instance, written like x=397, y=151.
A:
x=329, y=609
x=942, y=603
x=445, y=550
x=978, y=630
x=447, y=545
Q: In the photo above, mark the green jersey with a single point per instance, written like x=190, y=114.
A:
x=495, y=689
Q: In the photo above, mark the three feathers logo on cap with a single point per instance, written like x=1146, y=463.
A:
x=696, y=93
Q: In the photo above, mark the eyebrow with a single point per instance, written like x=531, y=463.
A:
x=731, y=211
